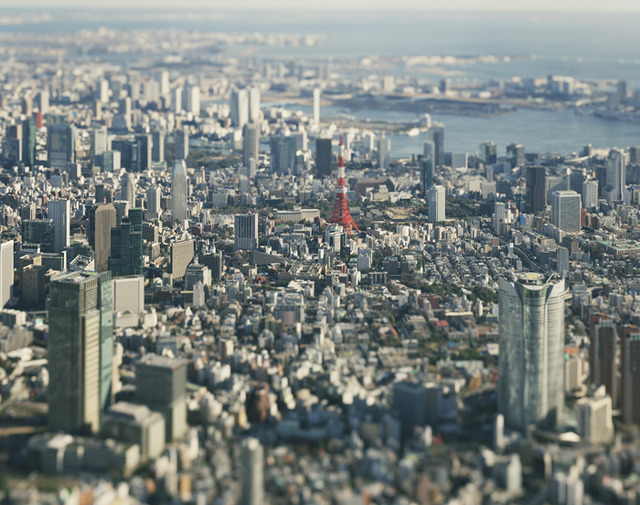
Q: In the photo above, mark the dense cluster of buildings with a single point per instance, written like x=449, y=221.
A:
x=206, y=299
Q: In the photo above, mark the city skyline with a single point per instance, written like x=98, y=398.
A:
x=280, y=255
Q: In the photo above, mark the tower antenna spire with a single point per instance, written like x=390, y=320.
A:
x=341, y=214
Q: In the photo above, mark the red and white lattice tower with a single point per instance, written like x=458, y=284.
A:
x=341, y=214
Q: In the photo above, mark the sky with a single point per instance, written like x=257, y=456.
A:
x=448, y=5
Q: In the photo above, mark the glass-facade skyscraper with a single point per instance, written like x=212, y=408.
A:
x=436, y=135
x=61, y=141
x=179, y=191
x=126, y=246
x=60, y=212
x=80, y=350
x=536, y=195
x=437, y=203
x=531, y=364
x=29, y=142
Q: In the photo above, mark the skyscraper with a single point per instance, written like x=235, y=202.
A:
x=562, y=256
x=103, y=194
x=60, y=212
x=191, y=99
x=630, y=374
x=246, y=231
x=164, y=82
x=12, y=144
x=101, y=219
x=29, y=142
x=111, y=161
x=161, y=384
x=177, y=100
x=590, y=194
x=252, y=460
x=6, y=272
x=102, y=90
x=239, y=108
x=100, y=142
x=144, y=145
x=124, y=109
x=153, y=203
x=499, y=217
x=566, y=210
x=181, y=255
x=128, y=189
x=80, y=350
x=437, y=202
x=576, y=176
x=179, y=191
x=133, y=153
x=436, y=135
x=181, y=144
x=515, y=155
x=43, y=101
x=530, y=380
x=250, y=142
x=603, y=357
x=122, y=210
x=616, y=175
x=254, y=104
x=61, y=142
x=39, y=231
x=536, y=195
x=427, y=167
x=488, y=153
x=157, y=146
x=283, y=153
x=126, y=248
x=324, y=157
x=384, y=152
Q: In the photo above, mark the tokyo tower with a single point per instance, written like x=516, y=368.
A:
x=341, y=214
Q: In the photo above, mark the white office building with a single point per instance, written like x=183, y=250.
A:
x=6, y=272
x=565, y=211
x=437, y=200
x=179, y=191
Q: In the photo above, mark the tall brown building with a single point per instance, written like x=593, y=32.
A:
x=630, y=374
x=603, y=364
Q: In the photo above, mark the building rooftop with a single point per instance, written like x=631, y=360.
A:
x=75, y=276
x=130, y=411
x=155, y=360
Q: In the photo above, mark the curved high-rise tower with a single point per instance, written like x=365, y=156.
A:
x=179, y=190
x=531, y=369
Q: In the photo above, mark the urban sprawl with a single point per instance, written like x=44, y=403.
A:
x=211, y=297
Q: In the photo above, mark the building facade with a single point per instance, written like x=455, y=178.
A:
x=246, y=231
x=80, y=350
x=437, y=202
x=60, y=212
x=566, y=211
x=179, y=191
x=530, y=381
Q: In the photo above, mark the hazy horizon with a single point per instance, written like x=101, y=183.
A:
x=574, y=6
